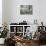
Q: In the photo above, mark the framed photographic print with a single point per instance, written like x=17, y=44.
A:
x=26, y=9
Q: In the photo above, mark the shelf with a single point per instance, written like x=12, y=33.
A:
x=16, y=32
x=19, y=27
x=19, y=32
x=12, y=32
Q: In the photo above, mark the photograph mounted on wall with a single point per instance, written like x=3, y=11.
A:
x=26, y=9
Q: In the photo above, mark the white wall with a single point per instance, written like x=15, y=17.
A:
x=16, y=8
x=12, y=11
x=0, y=13
x=4, y=11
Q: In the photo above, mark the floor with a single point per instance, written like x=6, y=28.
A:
x=2, y=45
x=36, y=44
x=33, y=45
x=42, y=45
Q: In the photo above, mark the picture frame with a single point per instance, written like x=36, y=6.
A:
x=26, y=9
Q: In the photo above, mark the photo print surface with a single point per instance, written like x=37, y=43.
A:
x=26, y=9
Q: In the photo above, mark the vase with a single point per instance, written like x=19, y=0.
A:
x=2, y=40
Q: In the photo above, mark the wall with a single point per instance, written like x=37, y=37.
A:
x=4, y=11
x=0, y=13
x=16, y=11
x=12, y=11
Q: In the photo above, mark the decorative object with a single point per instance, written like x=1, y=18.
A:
x=4, y=32
x=35, y=21
x=2, y=40
x=28, y=33
x=26, y=9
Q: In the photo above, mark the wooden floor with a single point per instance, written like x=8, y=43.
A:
x=42, y=45
x=2, y=45
x=32, y=45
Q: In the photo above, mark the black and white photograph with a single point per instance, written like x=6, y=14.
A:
x=26, y=9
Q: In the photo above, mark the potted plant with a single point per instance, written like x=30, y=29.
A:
x=3, y=34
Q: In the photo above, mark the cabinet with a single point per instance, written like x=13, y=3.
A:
x=18, y=29
x=21, y=29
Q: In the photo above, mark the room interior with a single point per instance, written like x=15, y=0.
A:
x=22, y=22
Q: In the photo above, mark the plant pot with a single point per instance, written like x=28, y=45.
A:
x=2, y=40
